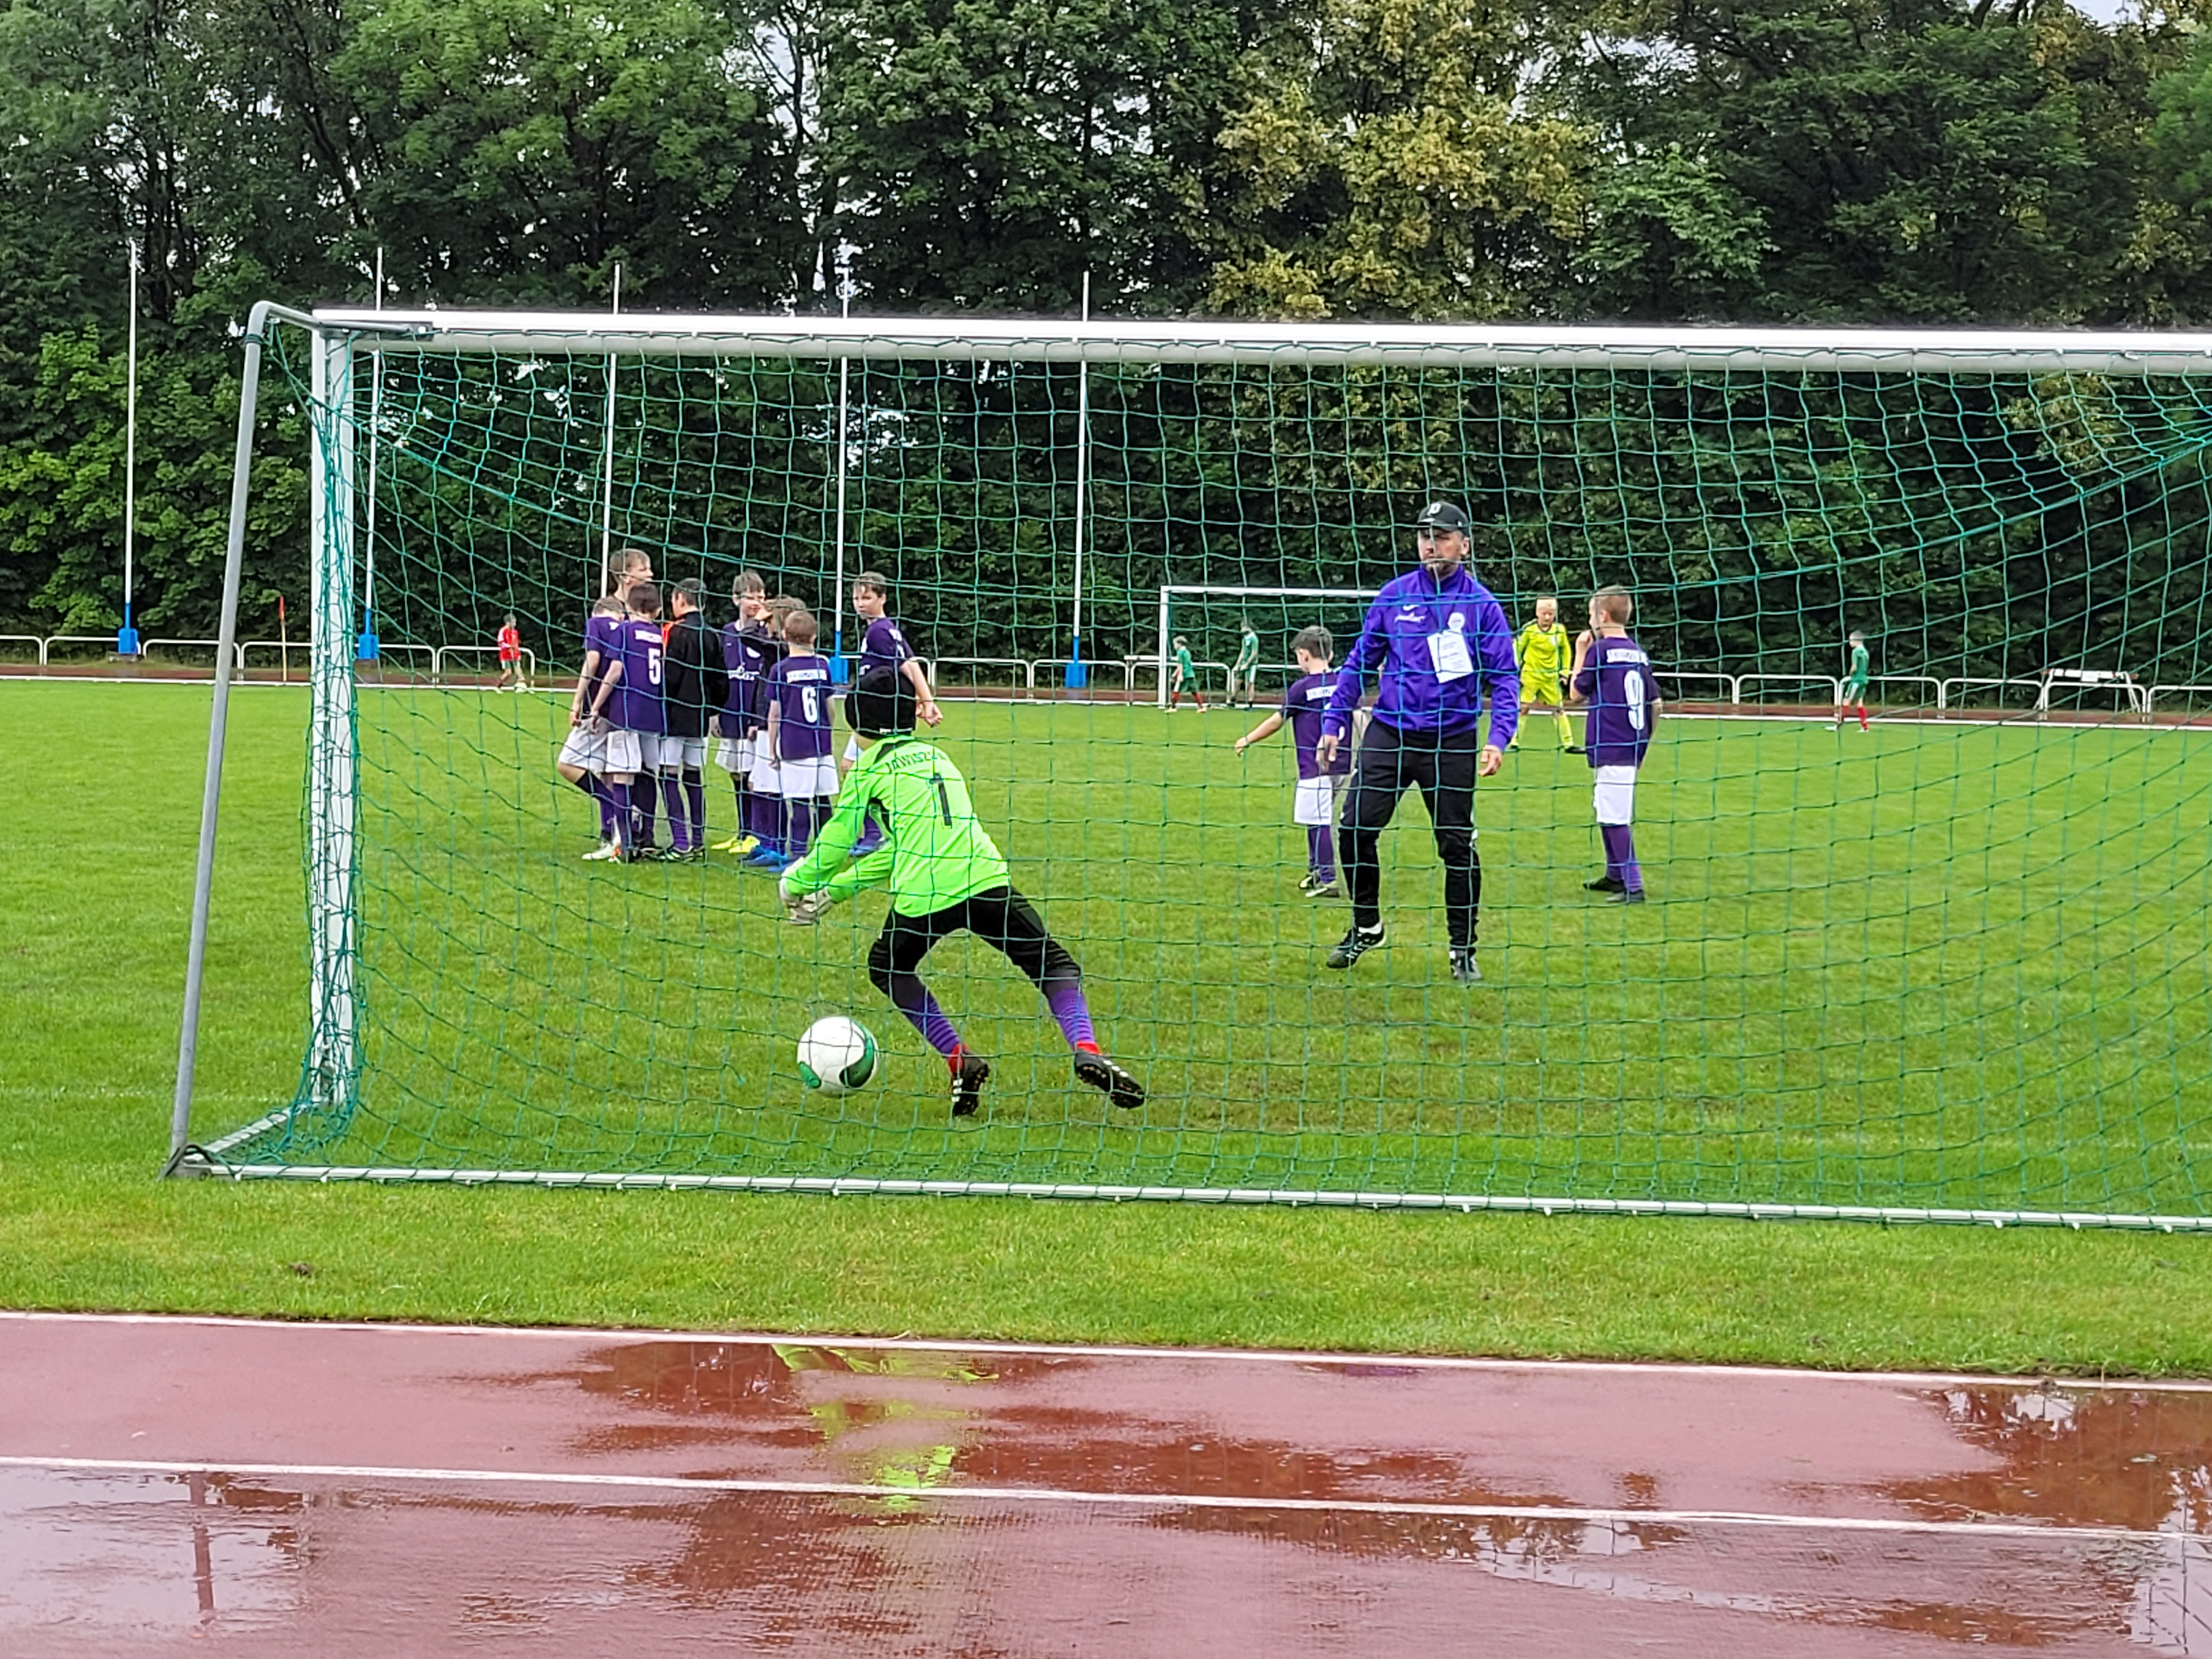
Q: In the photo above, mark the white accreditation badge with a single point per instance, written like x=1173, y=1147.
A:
x=1448, y=655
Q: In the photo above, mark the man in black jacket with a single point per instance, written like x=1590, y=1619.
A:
x=695, y=686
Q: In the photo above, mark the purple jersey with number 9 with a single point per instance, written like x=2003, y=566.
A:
x=1616, y=678
x=635, y=706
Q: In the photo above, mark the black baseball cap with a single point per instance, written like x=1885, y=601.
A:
x=1443, y=515
x=880, y=704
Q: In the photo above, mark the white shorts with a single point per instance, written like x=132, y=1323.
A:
x=1615, y=794
x=585, y=749
x=626, y=750
x=806, y=779
x=735, y=755
x=677, y=754
x=853, y=748
x=765, y=780
x=1319, y=800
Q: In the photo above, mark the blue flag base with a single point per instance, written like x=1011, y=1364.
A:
x=126, y=642
x=365, y=648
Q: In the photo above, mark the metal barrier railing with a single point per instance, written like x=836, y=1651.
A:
x=2151, y=694
x=47, y=649
x=1970, y=682
x=27, y=639
x=1835, y=687
x=440, y=652
x=1912, y=679
x=1026, y=669
x=1728, y=682
x=146, y=651
x=285, y=649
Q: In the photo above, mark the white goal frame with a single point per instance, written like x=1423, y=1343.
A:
x=337, y=336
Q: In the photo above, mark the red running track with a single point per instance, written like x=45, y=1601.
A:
x=219, y=1486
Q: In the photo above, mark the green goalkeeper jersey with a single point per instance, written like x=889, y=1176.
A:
x=934, y=852
x=1543, y=652
x=1861, y=666
x=1247, y=653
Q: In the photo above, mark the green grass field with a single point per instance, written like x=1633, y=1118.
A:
x=1956, y=962
x=1933, y=966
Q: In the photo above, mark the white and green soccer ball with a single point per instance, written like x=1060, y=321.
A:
x=836, y=1055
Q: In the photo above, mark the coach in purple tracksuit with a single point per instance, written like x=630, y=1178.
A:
x=1436, y=637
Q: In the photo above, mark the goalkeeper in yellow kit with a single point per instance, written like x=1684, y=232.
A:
x=1544, y=654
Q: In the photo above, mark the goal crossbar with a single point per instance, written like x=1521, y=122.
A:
x=1395, y=345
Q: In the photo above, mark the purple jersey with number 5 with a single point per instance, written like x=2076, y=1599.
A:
x=883, y=646
x=1304, y=702
x=635, y=705
x=801, y=686
x=1616, y=678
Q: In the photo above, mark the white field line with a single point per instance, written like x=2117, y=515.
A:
x=1521, y=1513
x=1116, y=1351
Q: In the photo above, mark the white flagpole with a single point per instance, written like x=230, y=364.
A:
x=126, y=637
x=844, y=449
x=607, y=481
x=366, y=647
x=1078, y=675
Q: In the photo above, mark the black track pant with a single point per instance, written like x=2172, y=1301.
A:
x=1441, y=764
x=1001, y=918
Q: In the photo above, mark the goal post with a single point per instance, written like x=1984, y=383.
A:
x=1922, y=971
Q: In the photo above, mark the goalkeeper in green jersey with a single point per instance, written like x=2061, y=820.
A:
x=945, y=873
x=1244, y=672
x=1544, y=654
x=1855, y=683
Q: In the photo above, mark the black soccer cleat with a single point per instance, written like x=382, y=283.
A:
x=967, y=1080
x=1627, y=895
x=1606, y=885
x=1463, y=968
x=1357, y=942
x=1103, y=1074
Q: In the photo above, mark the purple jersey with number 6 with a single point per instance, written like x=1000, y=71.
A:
x=635, y=705
x=883, y=646
x=1304, y=702
x=801, y=686
x=1616, y=678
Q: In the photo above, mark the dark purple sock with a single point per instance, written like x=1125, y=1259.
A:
x=1320, y=857
x=592, y=786
x=1066, y=998
x=641, y=810
x=695, y=797
x=765, y=807
x=1621, y=856
x=672, y=795
x=802, y=827
x=912, y=998
x=619, y=800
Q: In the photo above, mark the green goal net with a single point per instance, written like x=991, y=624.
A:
x=1950, y=961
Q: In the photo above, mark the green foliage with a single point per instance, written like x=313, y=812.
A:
x=1869, y=161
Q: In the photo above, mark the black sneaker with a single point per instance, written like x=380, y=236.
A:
x=1573, y=749
x=684, y=855
x=1357, y=942
x=1463, y=967
x=1606, y=885
x=1109, y=1079
x=968, y=1081
x=1627, y=895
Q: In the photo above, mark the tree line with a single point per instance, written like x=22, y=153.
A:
x=1837, y=162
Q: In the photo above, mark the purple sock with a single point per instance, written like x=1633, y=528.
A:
x=618, y=804
x=765, y=808
x=1069, y=1008
x=802, y=827
x=1620, y=855
x=1321, y=854
x=671, y=792
x=640, y=809
x=591, y=785
x=912, y=998
x=695, y=797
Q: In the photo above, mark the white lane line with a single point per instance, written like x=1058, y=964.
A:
x=1113, y=1351
x=678, y=1483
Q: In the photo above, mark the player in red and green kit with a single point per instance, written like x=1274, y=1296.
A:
x=1855, y=683
x=945, y=873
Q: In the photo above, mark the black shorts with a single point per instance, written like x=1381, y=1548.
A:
x=1000, y=917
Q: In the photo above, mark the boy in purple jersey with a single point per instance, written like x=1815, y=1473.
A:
x=745, y=662
x=1614, y=677
x=883, y=645
x=626, y=709
x=798, y=737
x=583, y=755
x=1321, y=786
x=767, y=823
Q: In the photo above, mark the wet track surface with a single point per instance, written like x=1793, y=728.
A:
x=176, y=1485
